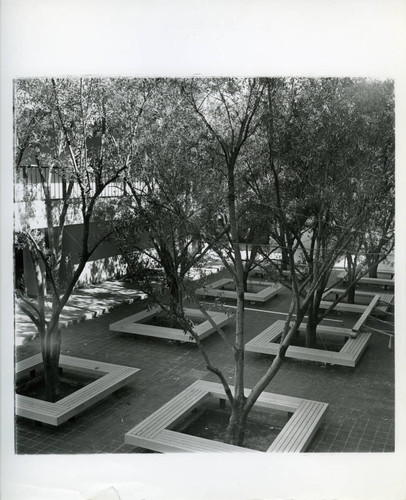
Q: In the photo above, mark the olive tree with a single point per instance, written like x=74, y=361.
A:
x=80, y=134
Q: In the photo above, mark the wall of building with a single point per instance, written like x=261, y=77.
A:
x=105, y=263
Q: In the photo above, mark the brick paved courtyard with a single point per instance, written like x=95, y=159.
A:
x=360, y=416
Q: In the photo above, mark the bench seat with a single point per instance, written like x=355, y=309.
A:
x=344, y=307
x=135, y=324
x=112, y=378
x=385, y=302
x=365, y=315
x=155, y=432
x=300, y=429
x=171, y=413
x=355, y=347
x=40, y=411
x=27, y=365
x=349, y=355
x=378, y=281
x=268, y=400
x=175, y=442
x=385, y=299
x=215, y=290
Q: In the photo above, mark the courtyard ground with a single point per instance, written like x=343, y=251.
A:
x=360, y=416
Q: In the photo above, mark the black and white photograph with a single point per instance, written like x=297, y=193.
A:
x=190, y=242
x=204, y=282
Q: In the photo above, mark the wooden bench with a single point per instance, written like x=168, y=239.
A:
x=343, y=307
x=216, y=290
x=274, y=331
x=258, y=273
x=385, y=282
x=300, y=429
x=28, y=366
x=266, y=399
x=386, y=272
x=113, y=377
x=172, y=442
x=35, y=409
x=385, y=299
x=264, y=343
x=365, y=293
x=269, y=335
x=385, y=302
x=334, y=331
x=135, y=324
x=366, y=280
x=354, y=348
x=155, y=432
x=300, y=276
x=365, y=315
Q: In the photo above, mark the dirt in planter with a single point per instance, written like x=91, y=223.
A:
x=262, y=426
x=250, y=288
x=69, y=383
x=167, y=322
x=322, y=344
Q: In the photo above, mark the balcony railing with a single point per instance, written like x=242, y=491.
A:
x=28, y=186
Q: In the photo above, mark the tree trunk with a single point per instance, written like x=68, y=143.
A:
x=236, y=428
x=351, y=294
x=373, y=262
x=176, y=297
x=235, y=433
x=50, y=347
x=239, y=344
x=285, y=259
x=245, y=281
x=352, y=274
x=311, y=326
x=313, y=315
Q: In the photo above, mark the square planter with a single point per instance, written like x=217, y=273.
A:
x=385, y=300
x=136, y=324
x=112, y=378
x=154, y=433
x=349, y=355
x=216, y=289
